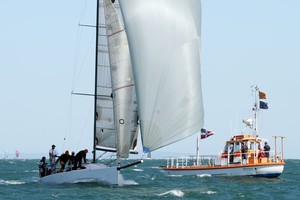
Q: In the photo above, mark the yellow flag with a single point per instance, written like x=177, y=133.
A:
x=262, y=95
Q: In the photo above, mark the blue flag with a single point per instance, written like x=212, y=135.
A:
x=263, y=105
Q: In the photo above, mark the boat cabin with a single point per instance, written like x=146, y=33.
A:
x=245, y=149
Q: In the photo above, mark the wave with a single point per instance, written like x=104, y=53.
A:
x=175, y=175
x=203, y=175
x=209, y=192
x=11, y=182
x=177, y=193
x=138, y=170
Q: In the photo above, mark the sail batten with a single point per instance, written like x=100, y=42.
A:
x=164, y=41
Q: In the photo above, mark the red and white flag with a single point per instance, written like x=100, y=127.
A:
x=205, y=133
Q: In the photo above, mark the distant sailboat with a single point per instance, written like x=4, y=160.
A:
x=17, y=153
x=5, y=155
x=147, y=78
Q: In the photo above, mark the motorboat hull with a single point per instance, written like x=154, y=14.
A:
x=263, y=170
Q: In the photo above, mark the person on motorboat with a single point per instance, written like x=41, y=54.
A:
x=267, y=150
x=244, y=150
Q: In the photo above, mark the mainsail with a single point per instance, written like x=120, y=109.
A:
x=116, y=105
x=164, y=42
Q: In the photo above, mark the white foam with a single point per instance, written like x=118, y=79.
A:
x=138, y=170
x=11, y=182
x=122, y=181
x=175, y=175
x=210, y=192
x=156, y=167
x=203, y=175
x=177, y=193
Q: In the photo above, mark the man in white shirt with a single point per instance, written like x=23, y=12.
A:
x=52, y=155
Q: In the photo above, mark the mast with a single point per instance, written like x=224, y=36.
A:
x=255, y=110
x=96, y=72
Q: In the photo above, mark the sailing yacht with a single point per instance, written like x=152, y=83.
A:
x=147, y=80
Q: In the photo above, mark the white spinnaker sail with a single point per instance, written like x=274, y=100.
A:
x=123, y=89
x=164, y=41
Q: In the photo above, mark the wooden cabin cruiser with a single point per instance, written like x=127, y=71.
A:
x=243, y=155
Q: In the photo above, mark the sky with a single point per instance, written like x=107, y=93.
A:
x=45, y=55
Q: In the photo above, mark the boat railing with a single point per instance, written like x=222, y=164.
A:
x=205, y=160
x=256, y=156
x=214, y=160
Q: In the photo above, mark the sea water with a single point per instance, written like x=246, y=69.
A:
x=19, y=180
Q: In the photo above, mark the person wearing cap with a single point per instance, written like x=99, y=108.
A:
x=52, y=156
x=78, y=159
x=63, y=159
x=267, y=149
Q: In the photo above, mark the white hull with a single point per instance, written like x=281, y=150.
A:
x=245, y=170
x=92, y=173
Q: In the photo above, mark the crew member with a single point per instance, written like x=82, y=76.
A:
x=52, y=156
x=43, y=167
x=63, y=159
x=78, y=159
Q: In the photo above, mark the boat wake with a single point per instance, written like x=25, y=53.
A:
x=177, y=193
x=122, y=181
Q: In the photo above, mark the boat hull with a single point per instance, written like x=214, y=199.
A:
x=92, y=173
x=270, y=170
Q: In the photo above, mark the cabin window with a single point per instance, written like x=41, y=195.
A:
x=226, y=148
x=252, y=145
x=237, y=146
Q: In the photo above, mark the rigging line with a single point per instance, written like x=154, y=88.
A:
x=84, y=128
x=84, y=60
x=83, y=12
x=85, y=25
x=67, y=135
x=79, y=45
x=79, y=39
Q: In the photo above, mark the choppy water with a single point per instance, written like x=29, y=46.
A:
x=19, y=180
